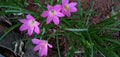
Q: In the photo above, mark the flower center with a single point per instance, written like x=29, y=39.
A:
x=44, y=44
x=52, y=12
x=66, y=7
x=31, y=22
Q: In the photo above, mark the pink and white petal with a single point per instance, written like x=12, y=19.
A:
x=42, y=42
x=39, y=53
x=30, y=30
x=37, y=30
x=57, y=7
x=36, y=48
x=50, y=45
x=56, y=20
x=49, y=7
x=44, y=14
x=43, y=51
x=23, y=27
x=29, y=17
x=36, y=41
x=65, y=2
x=73, y=9
x=49, y=19
x=59, y=14
x=23, y=20
x=37, y=23
x=72, y=4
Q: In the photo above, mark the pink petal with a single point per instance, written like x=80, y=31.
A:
x=68, y=13
x=23, y=27
x=36, y=41
x=63, y=11
x=44, y=14
x=23, y=20
x=36, y=48
x=59, y=14
x=30, y=30
x=37, y=23
x=49, y=19
x=49, y=7
x=73, y=9
x=65, y=2
x=57, y=7
x=43, y=51
x=72, y=4
x=37, y=30
x=50, y=45
x=29, y=17
x=56, y=20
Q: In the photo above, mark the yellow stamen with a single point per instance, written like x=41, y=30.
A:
x=52, y=12
x=31, y=22
x=66, y=7
x=44, y=44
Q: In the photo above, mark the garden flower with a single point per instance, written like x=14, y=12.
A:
x=30, y=24
x=42, y=46
x=52, y=14
x=68, y=7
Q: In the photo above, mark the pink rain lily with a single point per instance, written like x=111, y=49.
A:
x=52, y=14
x=68, y=7
x=42, y=46
x=30, y=24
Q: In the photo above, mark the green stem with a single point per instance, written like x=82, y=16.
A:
x=52, y=2
x=91, y=43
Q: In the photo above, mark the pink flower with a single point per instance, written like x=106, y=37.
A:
x=68, y=7
x=52, y=13
x=42, y=46
x=30, y=24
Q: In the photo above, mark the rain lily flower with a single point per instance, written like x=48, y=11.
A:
x=68, y=7
x=52, y=14
x=42, y=46
x=30, y=24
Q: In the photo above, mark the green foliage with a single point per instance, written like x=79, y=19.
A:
x=75, y=29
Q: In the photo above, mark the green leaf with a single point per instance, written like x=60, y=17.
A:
x=108, y=21
x=76, y=30
x=113, y=40
x=80, y=12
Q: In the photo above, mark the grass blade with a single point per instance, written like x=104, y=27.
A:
x=10, y=29
x=58, y=47
x=76, y=30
